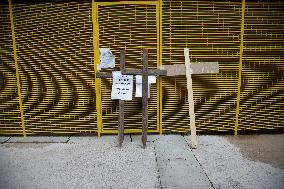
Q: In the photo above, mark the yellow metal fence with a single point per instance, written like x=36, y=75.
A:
x=49, y=52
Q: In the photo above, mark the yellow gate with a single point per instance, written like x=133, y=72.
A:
x=49, y=51
x=132, y=26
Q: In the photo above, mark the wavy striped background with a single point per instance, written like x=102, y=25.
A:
x=9, y=104
x=262, y=97
x=130, y=28
x=55, y=54
x=211, y=30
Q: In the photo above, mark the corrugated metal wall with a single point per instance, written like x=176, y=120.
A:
x=54, y=41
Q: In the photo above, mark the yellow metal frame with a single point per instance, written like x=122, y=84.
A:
x=240, y=67
x=158, y=5
x=127, y=3
x=159, y=63
x=127, y=131
x=96, y=62
x=17, y=67
x=159, y=127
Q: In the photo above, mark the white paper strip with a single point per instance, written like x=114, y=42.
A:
x=122, y=86
x=107, y=58
x=138, y=92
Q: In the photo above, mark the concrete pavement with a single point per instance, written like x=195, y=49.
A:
x=167, y=162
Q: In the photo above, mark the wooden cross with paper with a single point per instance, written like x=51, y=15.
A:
x=122, y=80
x=188, y=69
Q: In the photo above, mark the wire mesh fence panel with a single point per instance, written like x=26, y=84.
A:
x=132, y=28
x=54, y=41
x=10, y=117
x=55, y=53
x=262, y=94
x=211, y=31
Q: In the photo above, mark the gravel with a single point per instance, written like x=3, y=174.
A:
x=91, y=162
x=82, y=163
x=227, y=168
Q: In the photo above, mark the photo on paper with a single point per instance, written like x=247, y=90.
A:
x=107, y=58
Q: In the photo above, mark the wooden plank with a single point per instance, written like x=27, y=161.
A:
x=145, y=98
x=122, y=61
x=132, y=72
x=174, y=70
x=197, y=68
x=139, y=72
x=190, y=99
x=121, y=123
x=104, y=75
x=121, y=107
x=204, y=67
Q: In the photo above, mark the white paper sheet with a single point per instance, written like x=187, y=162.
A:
x=138, y=92
x=107, y=58
x=122, y=86
x=151, y=79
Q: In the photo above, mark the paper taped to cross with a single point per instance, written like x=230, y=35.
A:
x=122, y=86
x=151, y=79
x=107, y=58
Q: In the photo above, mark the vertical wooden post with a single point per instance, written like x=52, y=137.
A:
x=190, y=99
x=121, y=104
x=145, y=97
x=121, y=123
x=122, y=61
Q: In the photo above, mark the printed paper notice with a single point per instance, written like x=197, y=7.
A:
x=107, y=58
x=122, y=86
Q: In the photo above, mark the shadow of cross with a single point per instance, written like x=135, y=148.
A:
x=145, y=72
x=188, y=69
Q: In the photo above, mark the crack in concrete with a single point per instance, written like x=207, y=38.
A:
x=198, y=162
x=7, y=140
x=68, y=139
x=130, y=135
x=156, y=159
x=34, y=142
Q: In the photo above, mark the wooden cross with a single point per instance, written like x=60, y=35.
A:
x=145, y=72
x=188, y=69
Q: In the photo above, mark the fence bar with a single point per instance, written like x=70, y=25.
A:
x=96, y=62
x=240, y=67
x=159, y=80
x=17, y=67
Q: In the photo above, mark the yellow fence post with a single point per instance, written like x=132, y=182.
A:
x=240, y=67
x=160, y=100
x=96, y=62
x=158, y=64
x=17, y=67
